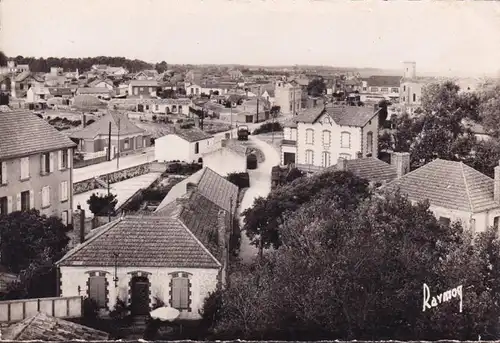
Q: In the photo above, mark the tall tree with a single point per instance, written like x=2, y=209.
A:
x=3, y=59
x=489, y=93
x=316, y=87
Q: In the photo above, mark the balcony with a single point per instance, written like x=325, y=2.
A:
x=288, y=142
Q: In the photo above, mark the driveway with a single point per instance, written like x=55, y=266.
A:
x=260, y=185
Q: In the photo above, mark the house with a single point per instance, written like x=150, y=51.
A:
x=455, y=191
x=142, y=88
x=269, y=96
x=157, y=106
x=142, y=260
x=106, y=83
x=185, y=145
x=288, y=97
x=371, y=169
x=42, y=327
x=11, y=68
x=36, y=166
x=61, y=92
x=193, y=89
x=98, y=92
x=411, y=87
x=235, y=74
x=387, y=86
x=24, y=81
x=323, y=134
x=125, y=136
x=117, y=71
x=37, y=95
x=150, y=74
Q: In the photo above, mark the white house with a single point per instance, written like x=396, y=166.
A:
x=193, y=89
x=135, y=259
x=319, y=136
x=455, y=191
x=108, y=84
x=185, y=145
x=288, y=97
x=269, y=96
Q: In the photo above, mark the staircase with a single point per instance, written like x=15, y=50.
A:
x=100, y=182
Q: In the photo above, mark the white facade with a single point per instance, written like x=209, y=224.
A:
x=193, y=90
x=203, y=281
x=172, y=147
x=288, y=97
x=269, y=98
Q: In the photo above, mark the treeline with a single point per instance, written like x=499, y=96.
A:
x=82, y=64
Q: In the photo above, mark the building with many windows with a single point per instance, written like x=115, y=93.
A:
x=36, y=166
x=318, y=137
x=288, y=96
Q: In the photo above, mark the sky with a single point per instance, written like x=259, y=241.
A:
x=440, y=36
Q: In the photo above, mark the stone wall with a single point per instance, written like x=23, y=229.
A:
x=117, y=176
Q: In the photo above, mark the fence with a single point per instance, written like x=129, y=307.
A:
x=93, y=155
x=61, y=307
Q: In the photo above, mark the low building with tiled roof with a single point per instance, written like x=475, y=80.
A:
x=455, y=191
x=151, y=105
x=185, y=145
x=126, y=137
x=319, y=136
x=143, y=88
x=139, y=259
x=36, y=166
x=42, y=327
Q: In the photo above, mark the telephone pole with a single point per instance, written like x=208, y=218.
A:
x=109, y=159
x=118, y=150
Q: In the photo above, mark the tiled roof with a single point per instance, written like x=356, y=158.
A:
x=98, y=81
x=142, y=241
x=24, y=133
x=448, y=184
x=144, y=83
x=43, y=327
x=60, y=91
x=25, y=74
x=383, y=81
x=192, y=135
x=101, y=126
x=88, y=101
x=218, y=190
x=93, y=90
x=341, y=115
x=371, y=169
x=185, y=102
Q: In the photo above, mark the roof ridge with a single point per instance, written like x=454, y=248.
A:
x=198, y=241
x=90, y=240
x=466, y=187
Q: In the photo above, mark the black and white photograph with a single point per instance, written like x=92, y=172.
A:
x=251, y=170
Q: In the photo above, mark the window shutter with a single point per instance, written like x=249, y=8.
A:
x=9, y=204
x=48, y=195
x=65, y=217
x=184, y=289
x=70, y=158
x=32, y=200
x=18, y=204
x=4, y=173
x=43, y=161
x=60, y=159
x=176, y=293
x=51, y=162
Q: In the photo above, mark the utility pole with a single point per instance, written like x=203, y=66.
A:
x=258, y=98
x=109, y=159
x=231, y=127
x=118, y=150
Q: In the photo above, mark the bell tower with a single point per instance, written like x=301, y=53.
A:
x=410, y=70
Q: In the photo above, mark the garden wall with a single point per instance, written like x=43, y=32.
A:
x=117, y=176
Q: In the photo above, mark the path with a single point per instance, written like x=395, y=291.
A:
x=84, y=173
x=260, y=185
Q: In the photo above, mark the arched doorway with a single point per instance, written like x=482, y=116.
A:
x=139, y=294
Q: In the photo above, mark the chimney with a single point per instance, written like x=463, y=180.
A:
x=496, y=187
x=190, y=186
x=79, y=223
x=342, y=164
x=401, y=161
x=222, y=233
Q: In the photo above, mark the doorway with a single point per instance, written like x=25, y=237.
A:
x=288, y=158
x=140, y=295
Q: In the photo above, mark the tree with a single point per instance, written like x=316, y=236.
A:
x=382, y=116
x=3, y=59
x=489, y=108
x=30, y=245
x=316, y=87
x=161, y=67
x=263, y=220
x=102, y=205
x=358, y=273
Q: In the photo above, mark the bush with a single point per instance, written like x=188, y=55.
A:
x=120, y=311
x=210, y=312
x=90, y=309
x=183, y=168
x=154, y=117
x=242, y=180
x=268, y=127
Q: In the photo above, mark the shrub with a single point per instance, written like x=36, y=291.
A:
x=183, y=168
x=154, y=117
x=90, y=309
x=210, y=312
x=242, y=180
x=120, y=311
x=268, y=127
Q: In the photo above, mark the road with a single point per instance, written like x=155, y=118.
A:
x=260, y=186
x=84, y=173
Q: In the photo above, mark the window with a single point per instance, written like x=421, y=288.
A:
x=63, y=159
x=404, y=98
x=45, y=162
x=496, y=221
x=136, y=91
x=180, y=109
x=157, y=107
x=327, y=137
x=126, y=144
x=414, y=97
x=139, y=142
x=373, y=89
x=21, y=86
x=369, y=142
x=345, y=140
x=147, y=107
x=141, y=89
x=404, y=88
x=174, y=108
x=384, y=89
x=4, y=208
x=64, y=217
x=345, y=156
x=24, y=201
x=64, y=191
x=395, y=90
x=309, y=157
x=197, y=148
x=46, y=196
x=25, y=168
x=309, y=136
x=364, y=89
x=180, y=291
x=3, y=173
x=192, y=90
x=444, y=220
x=97, y=288
x=325, y=159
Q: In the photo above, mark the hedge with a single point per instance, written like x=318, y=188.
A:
x=242, y=180
x=268, y=127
